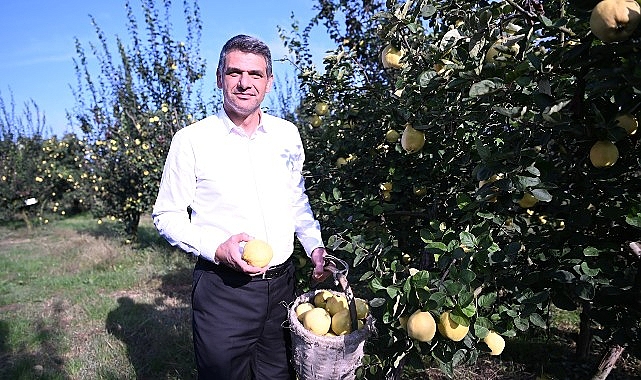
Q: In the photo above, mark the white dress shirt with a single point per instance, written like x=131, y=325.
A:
x=235, y=183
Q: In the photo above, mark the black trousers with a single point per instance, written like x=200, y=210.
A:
x=239, y=324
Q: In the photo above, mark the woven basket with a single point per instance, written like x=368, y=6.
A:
x=326, y=357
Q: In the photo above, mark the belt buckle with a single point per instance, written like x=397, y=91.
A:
x=268, y=274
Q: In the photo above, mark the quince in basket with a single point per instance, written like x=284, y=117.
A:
x=328, y=314
x=317, y=320
x=320, y=298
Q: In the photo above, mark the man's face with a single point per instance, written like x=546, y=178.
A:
x=244, y=82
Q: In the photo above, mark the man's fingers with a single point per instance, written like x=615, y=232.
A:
x=244, y=237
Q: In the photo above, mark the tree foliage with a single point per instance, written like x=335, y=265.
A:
x=38, y=175
x=445, y=228
x=130, y=105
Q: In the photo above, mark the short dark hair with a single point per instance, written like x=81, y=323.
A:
x=246, y=44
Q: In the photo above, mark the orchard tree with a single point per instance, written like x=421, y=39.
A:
x=38, y=175
x=130, y=108
x=63, y=169
x=478, y=161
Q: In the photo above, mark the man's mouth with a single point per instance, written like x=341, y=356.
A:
x=243, y=95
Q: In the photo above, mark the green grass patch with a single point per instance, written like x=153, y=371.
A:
x=77, y=303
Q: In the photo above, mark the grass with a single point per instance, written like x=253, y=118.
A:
x=77, y=303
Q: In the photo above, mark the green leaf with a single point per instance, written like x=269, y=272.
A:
x=512, y=112
x=542, y=100
x=459, y=317
x=551, y=111
x=590, y=252
x=512, y=248
x=453, y=288
x=563, y=301
x=537, y=320
x=428, y=10
x=482, y=322
x=546, y=21
x=563, y=276
x=463, y=200
x=484, y=87
x=585, y=291
x=360, y=257
x=392, y=291
x=420, y=279
x=589, y=271
x=487, y=300
x=538, y=298
x=377, y=302
x=521, y=323
x=377, y=210
x=534, y=171
x=366, y=276
x=468, y=239
x=531, y=278
x=466, y=276
x=445, y=365
x=459, y=357
x=377, y=284
x=469, y=310
x=337, y=194
x=414, y=27
x=481, y=332
x=439, y=298
x=407, y=285
x=634, y=219
x=542, y=195
x=426, y=77
x=465, y=298
x=527, y=182
x=483, y=150
x=437, y=245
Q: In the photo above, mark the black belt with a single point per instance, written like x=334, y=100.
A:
x=273, y=272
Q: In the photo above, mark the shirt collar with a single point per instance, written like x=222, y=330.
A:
x=232, y=127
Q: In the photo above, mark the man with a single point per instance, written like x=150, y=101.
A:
x=240, y=174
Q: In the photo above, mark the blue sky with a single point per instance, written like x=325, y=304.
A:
x=37, y=39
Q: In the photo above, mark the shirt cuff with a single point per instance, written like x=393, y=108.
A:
x=208, y=246
x=310, y=245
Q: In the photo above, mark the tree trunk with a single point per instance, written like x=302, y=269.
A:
x=608, y=363
x=131, y=225
x=26, y=219
x=585, y=335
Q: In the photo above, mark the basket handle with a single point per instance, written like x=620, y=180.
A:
x=351, y=302
x=339, y=269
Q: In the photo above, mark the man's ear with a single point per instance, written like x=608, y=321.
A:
x=270, y=83
x=219, y=78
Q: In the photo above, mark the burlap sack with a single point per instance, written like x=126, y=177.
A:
x=326, y=358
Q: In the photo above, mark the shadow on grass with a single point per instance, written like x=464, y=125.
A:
x=158, y=336
x=45, y=362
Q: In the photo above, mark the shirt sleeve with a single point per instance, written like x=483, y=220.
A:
x=170, y=212
x=308, y=229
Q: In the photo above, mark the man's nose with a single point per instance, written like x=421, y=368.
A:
x=243, y=81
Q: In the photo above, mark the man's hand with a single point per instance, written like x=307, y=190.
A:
x=318, y=260
x=228, y=253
